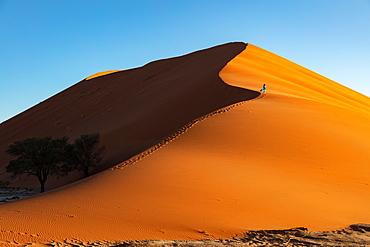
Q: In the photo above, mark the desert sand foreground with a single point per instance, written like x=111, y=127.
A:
x=269, y=238
x=194, y=151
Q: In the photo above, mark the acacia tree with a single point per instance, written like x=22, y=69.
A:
x=40, y=157
x=86, y=153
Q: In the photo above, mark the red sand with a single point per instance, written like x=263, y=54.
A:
x=297, y=156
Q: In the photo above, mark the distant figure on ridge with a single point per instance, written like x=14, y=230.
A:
x=263, y=88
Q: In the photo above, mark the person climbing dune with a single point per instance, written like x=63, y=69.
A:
x=263, y=88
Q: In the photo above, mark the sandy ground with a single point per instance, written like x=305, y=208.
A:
x=300, y=236
x=196, y=152
x=283, y=238
x=289, y=237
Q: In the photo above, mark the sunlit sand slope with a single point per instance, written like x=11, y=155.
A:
x=297, y=156
x=256, y=66
x=102, y=73
x=133, y=109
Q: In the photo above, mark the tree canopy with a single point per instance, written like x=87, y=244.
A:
x=86, y=153
x=44, y=156
x=40, y=157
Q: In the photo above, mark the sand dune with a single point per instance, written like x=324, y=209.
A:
x=132, y=109
x=296, y=156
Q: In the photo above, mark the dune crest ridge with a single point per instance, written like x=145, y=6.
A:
x=296, y=156
x=102, y=73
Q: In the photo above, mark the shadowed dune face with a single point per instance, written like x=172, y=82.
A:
x=296, y=156
x=134, y=109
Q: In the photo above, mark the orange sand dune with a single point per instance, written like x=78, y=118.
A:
x=133, y=109
x=102, y=73
x=296, y=156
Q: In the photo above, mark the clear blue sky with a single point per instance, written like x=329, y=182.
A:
x=49, y=45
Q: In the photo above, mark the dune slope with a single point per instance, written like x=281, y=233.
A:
x=133, y=109
x=296, y=156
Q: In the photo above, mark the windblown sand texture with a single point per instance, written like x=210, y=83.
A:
x=219, y=158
